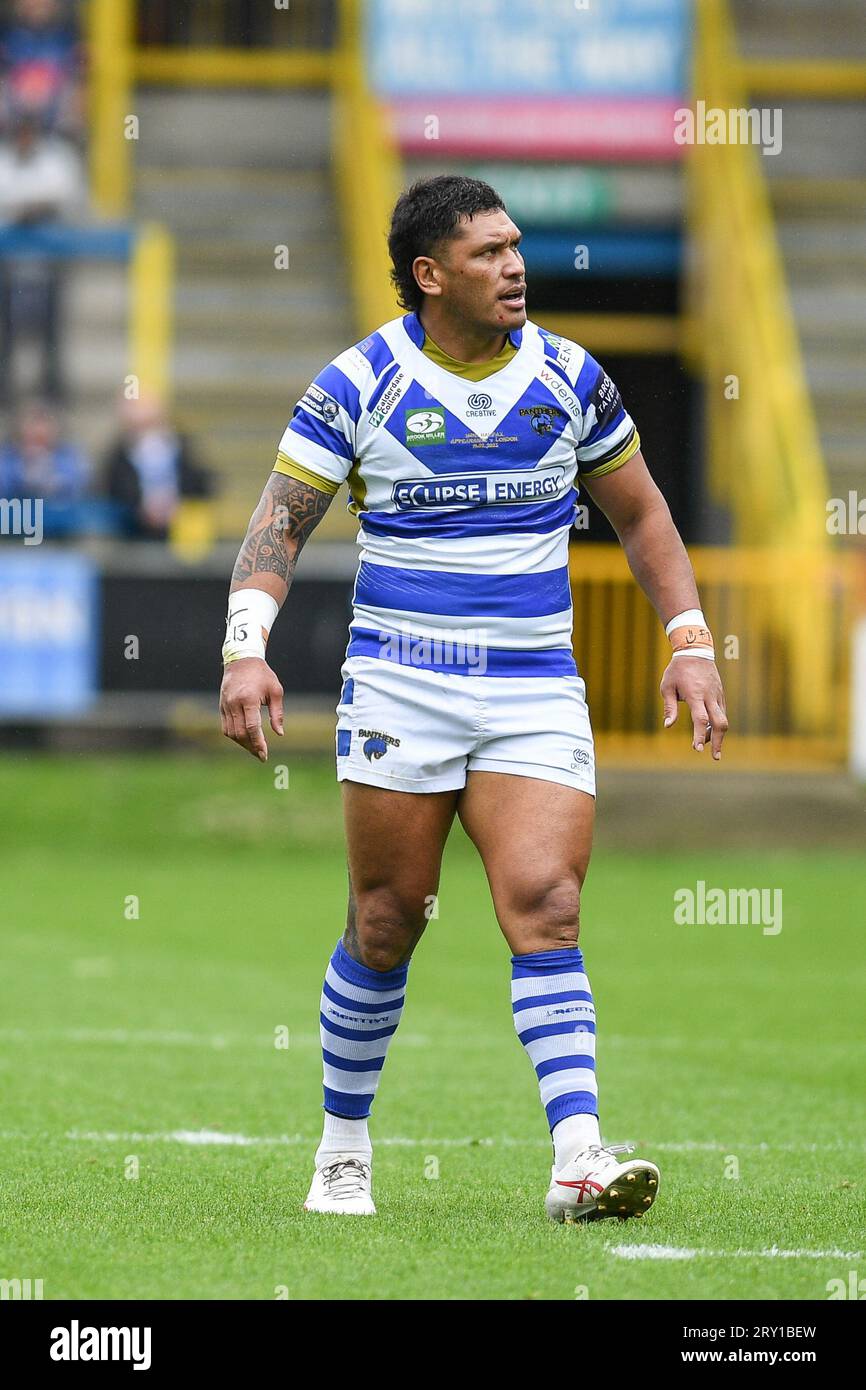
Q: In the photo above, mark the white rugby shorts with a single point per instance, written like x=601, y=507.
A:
x=418, y=730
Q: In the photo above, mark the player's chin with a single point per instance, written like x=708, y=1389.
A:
x=511, y=312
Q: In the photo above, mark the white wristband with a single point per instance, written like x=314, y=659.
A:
x=706, y=652
x=250, y=618
x=693, y=617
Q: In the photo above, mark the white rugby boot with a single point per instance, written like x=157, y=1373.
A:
x=596, y=1184
x=344, y=1184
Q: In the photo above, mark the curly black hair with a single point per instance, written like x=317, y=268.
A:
x=427, y=214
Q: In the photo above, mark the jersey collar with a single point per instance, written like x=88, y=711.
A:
x=415, y=329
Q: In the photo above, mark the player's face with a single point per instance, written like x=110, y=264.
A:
x=482, y=273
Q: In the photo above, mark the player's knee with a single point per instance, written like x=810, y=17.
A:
x=386, y=929
x=553, y=913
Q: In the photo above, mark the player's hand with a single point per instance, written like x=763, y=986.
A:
x=247, y=685
x=697, y=682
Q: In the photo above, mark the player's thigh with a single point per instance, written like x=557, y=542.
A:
x=535, y=840
x=394, y=843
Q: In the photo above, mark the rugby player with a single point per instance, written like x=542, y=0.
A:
x=463, y=431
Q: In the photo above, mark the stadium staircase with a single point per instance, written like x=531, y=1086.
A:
x=235, y=175
x=818, y=188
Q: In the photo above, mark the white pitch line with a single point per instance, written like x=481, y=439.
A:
x=213, y=1136
x=678, y=1252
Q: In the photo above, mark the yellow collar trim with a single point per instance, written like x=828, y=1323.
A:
x=472, y=371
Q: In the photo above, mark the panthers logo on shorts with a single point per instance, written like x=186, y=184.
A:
x=376, y=743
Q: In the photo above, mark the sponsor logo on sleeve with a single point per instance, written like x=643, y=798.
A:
x=387, y=400
x=608, y=401
x=318, y=402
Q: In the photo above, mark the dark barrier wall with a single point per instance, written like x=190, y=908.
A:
x=179, y=623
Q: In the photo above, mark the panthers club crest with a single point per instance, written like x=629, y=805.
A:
x=376, y=744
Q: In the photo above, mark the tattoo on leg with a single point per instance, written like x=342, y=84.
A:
x=288, y=512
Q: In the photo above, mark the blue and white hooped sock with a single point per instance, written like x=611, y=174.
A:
x=359, y=1014
x=555, y=1020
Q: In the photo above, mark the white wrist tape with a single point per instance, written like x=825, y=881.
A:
x=250, y=618
x=693, y=617
x=706, y=652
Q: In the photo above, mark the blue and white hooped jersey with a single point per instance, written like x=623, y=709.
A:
x=465, y=491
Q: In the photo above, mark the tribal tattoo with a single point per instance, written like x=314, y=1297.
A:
x=288, y=512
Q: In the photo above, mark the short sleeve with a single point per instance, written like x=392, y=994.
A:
x=318, y=445
x=608, y=436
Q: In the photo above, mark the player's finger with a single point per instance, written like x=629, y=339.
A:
x=669, y=699
x=255, y=739
x=719, y=721
x=234, y=717
x=275, y=709
x=700, y=720
x=224, y=722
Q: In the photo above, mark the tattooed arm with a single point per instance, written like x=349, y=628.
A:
x=287, y=514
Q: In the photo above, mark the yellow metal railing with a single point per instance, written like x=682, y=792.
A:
x=234, y=67
x=825, y=79
x=621, y=650
x=112, y=133
x=109, y=33
x=151, y=280
x=764, y=457
x=368, y=175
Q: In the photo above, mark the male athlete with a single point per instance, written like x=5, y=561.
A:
x=463, y=430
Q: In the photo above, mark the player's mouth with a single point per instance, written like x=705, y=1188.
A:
x=516, y=298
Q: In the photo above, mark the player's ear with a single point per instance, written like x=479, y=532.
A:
x=426, y=273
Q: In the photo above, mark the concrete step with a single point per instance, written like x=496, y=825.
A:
x=833, y=238
x=809, y=198
x=162, y=188
x=246, y=218
x=216, y=366
x=835, y=309
x=800, y=28
x=271, y=331
x=226, y=255
x=821, y=140
x=836, y=373
x=188, y=128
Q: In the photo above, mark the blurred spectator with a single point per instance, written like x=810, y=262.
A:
x=151, y=469
x=37, y=462
x=40, y=68
x=41, y=181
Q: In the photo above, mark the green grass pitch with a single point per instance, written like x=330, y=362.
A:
x=733, y=1058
